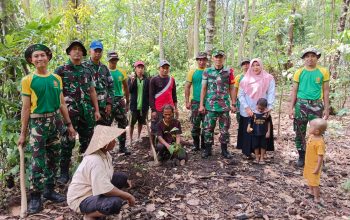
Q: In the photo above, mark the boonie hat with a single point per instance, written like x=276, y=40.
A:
x=138, y=63
x=36, y=47
x=102, y=136
x=112, y=55
x=218, y=53
x=96, y=45
x=310, y=50
x=163, y=63
x=245, y=60
x=201, y=55
x=76, y=42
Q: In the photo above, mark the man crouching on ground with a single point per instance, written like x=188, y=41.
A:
x=95, y=187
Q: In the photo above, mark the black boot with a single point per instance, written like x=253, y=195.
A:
x=35, y=204
x=301, y=160
x=207, y=151
x=64, y=176
x=224, y=151
x=52, y=195
x=195, y=143
x=202, y=142
x=123, y=149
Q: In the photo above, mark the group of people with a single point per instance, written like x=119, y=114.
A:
x=90, y=96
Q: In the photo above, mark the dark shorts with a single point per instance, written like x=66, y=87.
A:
x=259, y=142
x=107, y=205
x=138, y=116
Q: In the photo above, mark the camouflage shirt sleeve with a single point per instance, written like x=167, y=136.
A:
x=110, y=88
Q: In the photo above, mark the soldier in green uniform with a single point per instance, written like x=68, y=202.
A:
x=194, y=79
x=42, y=103
x=81, y=98
x=103, y=81
x=310, y=97
x=217, y=91
x=120, y=105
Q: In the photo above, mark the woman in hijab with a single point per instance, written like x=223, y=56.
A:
x=256, y=84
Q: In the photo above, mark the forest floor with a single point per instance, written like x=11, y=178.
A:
x=215, y=188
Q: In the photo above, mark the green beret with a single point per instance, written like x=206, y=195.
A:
x=36, y=47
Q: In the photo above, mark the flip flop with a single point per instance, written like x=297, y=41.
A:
x=255, y=162
x=262, y=162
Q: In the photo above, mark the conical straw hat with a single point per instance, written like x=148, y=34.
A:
x=103, y=135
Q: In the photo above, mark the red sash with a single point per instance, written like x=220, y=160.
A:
x=165, y=96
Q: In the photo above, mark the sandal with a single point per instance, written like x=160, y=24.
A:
x=262, y=162
x=255, y=162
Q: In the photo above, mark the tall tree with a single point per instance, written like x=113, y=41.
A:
x=161, y=30
x=252, y=31
x=244, y=31
x=210, y=26
x=47, y=4
x=225, y=4
x=26, y=7
x=234, y=33
x=196, y=27
x=341, y=28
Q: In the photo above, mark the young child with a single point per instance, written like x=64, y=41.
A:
x=315, y=150
x=259, y=127
x=168, y=134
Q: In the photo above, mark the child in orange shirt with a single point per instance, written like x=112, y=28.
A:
x=315, y=151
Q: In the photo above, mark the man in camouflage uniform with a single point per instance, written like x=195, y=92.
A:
x=103, y=81
x=120, y=105
x=310, y=87
x=42, y=102
x=217, y=90
x=81, y=98
x=194, y=79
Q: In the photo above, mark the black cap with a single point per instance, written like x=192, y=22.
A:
x=201, y=55
x=36, y=47
x=76, y=42
x=112, y=55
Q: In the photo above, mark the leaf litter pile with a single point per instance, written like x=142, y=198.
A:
x=215, y=188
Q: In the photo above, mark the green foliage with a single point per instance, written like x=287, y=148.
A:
x=346, y=185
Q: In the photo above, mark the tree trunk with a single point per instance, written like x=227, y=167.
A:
x=224, y=22
x=196, y=27
x=332, y=21
x=26, y=7
x=161, y=29
x=291, y=32
x=190, y=41
x=3, y=20
x=210, y=27
x=234, y=33
x=341, y=28
x=48, y=8
x=243, y=33
x=252, y=32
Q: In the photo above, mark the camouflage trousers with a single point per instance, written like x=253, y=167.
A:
x=83, y=121
x=119, y=115
x=45, y=148
x=305, y=111
x=105, y=119
x=238, y=115
x=196, y=118
x=210, y=123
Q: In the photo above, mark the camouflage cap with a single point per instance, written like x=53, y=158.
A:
x=245, y=60
x=36, y=47
x=201, y=55
x=112, y=55
x=74, y=43
x=218, y=53
x=310, y=50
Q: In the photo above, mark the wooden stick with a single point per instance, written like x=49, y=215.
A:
x=22, y=175
x=151, y=142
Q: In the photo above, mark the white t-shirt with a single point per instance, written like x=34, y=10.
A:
x=93, y=177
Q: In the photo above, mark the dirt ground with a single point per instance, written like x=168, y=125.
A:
x=227, y=189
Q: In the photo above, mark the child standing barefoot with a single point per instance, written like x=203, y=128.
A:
x=315, y=150
x=259, y=126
